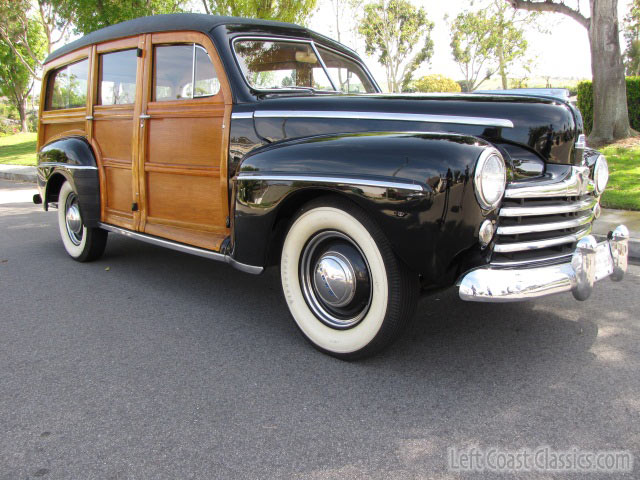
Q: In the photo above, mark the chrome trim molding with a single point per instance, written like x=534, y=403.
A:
x=577, y=184
x=404, y=117
x=538, y=244
x=66, y=165
x=545, y=227
x=542, y=260
x=335, y=180
x=239, y=115
x=180, y=247
x=548, y=210
x=590, y=262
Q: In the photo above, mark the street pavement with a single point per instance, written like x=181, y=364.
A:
x=152, y=364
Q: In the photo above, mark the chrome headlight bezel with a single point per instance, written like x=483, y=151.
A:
x=601, y=174
x=489, y=158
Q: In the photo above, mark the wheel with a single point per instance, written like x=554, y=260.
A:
x=346, y=290
x=81, y=243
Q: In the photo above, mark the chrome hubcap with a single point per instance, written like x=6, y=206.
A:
x=335, y=279
x=73, y=219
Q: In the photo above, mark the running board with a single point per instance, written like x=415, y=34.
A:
x=181, y=247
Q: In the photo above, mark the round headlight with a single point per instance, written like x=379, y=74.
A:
x=601, y=174
x=490, y=178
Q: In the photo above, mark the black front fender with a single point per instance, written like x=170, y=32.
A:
x=71, y=159
x=418, y=187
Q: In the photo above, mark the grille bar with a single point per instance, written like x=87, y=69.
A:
x=578, y=183
x=538, y=244
x=544, y=227
x=549, y=209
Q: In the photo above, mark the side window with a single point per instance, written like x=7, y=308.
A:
x=183, y=72
x=346, y=74
x=68, y=86
x=118, y=78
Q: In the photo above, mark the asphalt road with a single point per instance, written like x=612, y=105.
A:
x=155, y=364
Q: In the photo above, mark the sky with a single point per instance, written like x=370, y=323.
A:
x=564, y=52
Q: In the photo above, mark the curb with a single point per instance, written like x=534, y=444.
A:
x=20, y=174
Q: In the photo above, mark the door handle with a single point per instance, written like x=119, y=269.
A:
x=144, y=115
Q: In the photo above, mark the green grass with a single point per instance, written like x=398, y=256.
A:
x=19, y=149
x=623, y=191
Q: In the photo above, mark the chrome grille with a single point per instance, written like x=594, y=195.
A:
x=540, y=222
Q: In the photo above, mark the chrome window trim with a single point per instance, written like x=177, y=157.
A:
x=548, y=210
x=545, y=227
x=324, y=67
x=538, y=244
x=405, y=117
x=299, y=40
x=274, y=39
x=335, y=180
x=65, y=165
x=360, y=64
x=578, y=183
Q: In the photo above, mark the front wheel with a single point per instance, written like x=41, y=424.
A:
x=81, y=243
x=346, y=290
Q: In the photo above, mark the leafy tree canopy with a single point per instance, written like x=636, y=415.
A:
x=293, y=11
x=436, y=83
x=400, y=34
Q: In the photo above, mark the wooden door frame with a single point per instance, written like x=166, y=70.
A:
x=199, y=106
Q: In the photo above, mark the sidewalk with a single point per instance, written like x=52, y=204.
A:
x=610, y=219
x=19, y=173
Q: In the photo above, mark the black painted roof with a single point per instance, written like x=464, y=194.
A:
x=165, y=23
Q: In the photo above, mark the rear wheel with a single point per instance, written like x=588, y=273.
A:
x=81, y=243
x=346, y=290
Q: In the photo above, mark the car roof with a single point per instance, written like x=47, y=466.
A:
x=167, y=23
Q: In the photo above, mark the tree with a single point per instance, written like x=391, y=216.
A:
x=283, y=10
x=473, y=43
x=610, y=113
x=396, y=29
x=436, y=83
x=90, y=15
x=15, y=28
x=632, y=37
x=16, y=80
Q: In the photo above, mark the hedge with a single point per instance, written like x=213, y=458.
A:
x=585, y=103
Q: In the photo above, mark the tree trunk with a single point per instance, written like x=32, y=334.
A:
x=610, y=113
x=22, y=112
x=502, y=70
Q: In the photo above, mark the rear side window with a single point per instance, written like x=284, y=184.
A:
x=118, y=78
x=183, y=72
x=68, y=86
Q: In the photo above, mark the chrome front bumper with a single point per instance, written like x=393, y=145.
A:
x=590, y=262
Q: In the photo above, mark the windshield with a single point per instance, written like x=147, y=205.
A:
x=294, y=65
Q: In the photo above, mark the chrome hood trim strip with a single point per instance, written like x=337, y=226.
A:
x=403, y=117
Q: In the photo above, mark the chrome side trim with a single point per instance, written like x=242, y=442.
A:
x=578, y=183
x=239, y=115
x=538, y=244
x=545, y=227
x=335, y=180
x=589, y=263
x=66, y=165
x=404, y=117
x=548, y=210
x=180, y=247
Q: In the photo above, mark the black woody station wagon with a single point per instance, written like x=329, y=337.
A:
x=261, y=143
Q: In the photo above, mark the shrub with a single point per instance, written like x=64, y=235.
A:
x=436, y=83
x=585, y=103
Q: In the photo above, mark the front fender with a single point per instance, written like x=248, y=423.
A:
x=73, y=159
x=417, y=186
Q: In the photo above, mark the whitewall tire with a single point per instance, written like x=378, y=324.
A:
x=81, y=243
x=345, y=288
